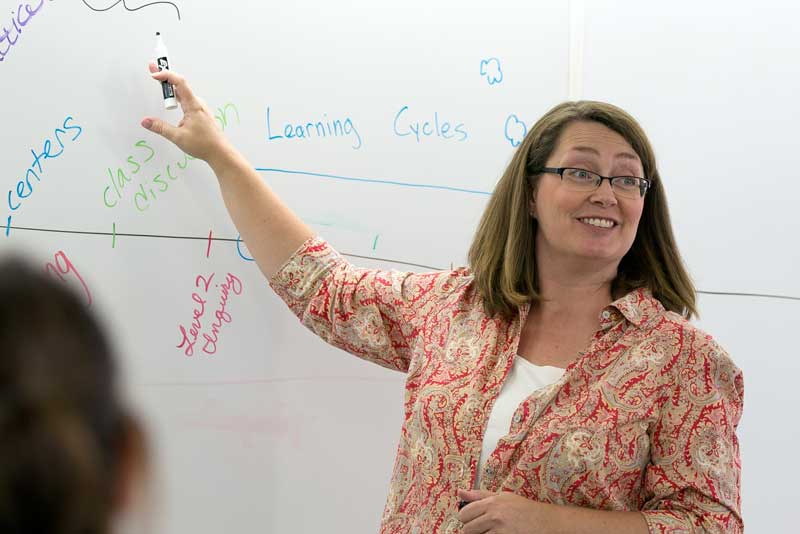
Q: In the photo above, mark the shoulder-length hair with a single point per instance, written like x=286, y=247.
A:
x=503, y=252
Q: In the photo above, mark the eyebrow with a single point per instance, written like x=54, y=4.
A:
x=626, y=155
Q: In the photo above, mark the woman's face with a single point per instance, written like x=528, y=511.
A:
x=594, y=225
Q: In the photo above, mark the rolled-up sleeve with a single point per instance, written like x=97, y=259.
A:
x=693, y=481
x=373, y=314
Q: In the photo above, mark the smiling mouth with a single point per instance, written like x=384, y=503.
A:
x=597, y=222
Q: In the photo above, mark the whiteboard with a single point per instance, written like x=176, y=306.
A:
x=274, y=430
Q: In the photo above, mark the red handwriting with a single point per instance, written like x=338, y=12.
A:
x=61, y=267
x=194, y=330
x=231, y=285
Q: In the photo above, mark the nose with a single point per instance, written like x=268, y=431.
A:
x=604, y=195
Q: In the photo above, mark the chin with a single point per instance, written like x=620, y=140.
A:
x=601, y=255
x=601, y=251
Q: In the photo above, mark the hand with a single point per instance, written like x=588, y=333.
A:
x=197, y=133
x=504, y=513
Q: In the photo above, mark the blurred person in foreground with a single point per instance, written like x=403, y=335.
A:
x=73, y=460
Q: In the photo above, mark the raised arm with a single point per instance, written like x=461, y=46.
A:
x=271, y=231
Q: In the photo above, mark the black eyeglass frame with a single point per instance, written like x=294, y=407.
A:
x=644, y=183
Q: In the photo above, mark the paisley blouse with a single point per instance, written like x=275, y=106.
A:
x=645, y=419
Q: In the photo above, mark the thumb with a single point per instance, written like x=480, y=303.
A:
x=160, y=127
x=473, y=495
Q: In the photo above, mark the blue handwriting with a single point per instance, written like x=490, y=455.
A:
x=427, y=128
x=320, y=129
x=25, y=187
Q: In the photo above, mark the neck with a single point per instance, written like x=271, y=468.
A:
x=580, y=286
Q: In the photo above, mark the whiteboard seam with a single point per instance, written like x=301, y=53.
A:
x=577, y=36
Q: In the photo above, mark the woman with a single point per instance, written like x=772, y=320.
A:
x=71, y=456
x=554, y=386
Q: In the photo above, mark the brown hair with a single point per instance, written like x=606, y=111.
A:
x=65, y=437
x=503, y=257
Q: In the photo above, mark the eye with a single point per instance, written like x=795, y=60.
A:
x=629, y=181
x=579, y=175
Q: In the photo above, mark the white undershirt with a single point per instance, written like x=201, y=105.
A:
x=523, y=379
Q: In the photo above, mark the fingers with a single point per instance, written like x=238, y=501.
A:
x=184, y=93
x=472, y=511
x=474, y=519
x=473, y=495
x=481, y=525
x=153, y=67
x=160, y=127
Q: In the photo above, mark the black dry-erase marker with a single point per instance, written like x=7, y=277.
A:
x=170, y=102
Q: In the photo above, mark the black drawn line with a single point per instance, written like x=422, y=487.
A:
x=114, y=234
x=756, y=295
x=131, y=9
x=120, y=234
x=389, y=260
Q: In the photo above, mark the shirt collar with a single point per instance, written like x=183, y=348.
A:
x=639, y=307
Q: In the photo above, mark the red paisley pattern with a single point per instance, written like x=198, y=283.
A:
x=645, y=419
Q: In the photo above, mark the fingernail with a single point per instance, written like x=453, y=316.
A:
x=147, y=123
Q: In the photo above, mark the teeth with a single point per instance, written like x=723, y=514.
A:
x=602, y=223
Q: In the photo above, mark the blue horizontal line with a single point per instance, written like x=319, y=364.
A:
x=376, y=181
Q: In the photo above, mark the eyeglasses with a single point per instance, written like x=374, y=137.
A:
x=583, y=180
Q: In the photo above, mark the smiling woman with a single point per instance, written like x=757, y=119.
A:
x=579, y=214
x=509, y=225
x=555, y=384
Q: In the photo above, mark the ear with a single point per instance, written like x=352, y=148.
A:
x=532, y=200
x=132, y=465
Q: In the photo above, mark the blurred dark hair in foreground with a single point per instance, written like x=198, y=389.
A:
x=68, y=446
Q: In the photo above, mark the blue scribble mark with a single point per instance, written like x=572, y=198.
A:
x=491, y=69
x=515, y=130
x=239, y=249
